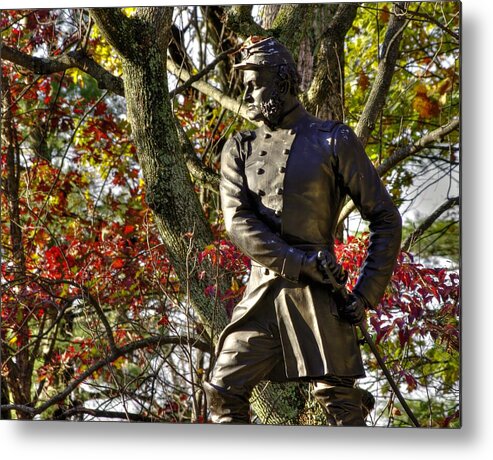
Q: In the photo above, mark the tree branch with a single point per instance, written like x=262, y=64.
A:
x=239, y=20
x=105, y=80
x=401, y=154
x=209, y=90
x=325, y=96
x=157, y=340
x=386, y=67
x=437, y=23
x=80, y=60
x=199, y=171
x=105, y=414
x=203, y=72
x=428, y=222
x=74, y=59
x=86, y=295
x=405, y=152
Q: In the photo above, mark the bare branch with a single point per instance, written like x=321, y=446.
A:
x=405, y=152
x=437, y=23
x=106, y=80
x=203, y=72
x=157, y=340
x=428, y=222
x=209, y=90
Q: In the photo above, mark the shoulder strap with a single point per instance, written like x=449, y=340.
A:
x=329, y=125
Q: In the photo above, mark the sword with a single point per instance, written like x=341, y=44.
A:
x=341, y=290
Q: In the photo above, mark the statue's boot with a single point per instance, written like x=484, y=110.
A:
x=342, y=403
x=226, y=407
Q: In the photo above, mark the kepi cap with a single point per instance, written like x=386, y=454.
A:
x=263, y=52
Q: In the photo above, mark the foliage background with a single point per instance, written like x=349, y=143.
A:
x=475, y=173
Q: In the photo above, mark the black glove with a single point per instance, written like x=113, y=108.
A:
x=354, y=309
x=310, y=269
x=328, y=262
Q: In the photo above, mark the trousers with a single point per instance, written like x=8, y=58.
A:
x=248, y=354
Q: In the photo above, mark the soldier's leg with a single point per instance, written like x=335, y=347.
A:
x=246, y=357
x=341, y=400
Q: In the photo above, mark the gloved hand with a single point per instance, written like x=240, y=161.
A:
x=354, y=309
x=310, y=270
x=328, y=262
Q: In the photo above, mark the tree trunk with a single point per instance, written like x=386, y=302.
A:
x=17, y=358
x=325, y=97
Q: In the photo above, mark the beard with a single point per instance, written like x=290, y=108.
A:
x=272, y=109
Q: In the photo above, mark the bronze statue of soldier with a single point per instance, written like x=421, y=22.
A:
x=283, y=186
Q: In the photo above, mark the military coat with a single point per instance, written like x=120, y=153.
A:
x=282, y=191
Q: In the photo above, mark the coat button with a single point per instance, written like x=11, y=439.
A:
x=282, y=169
x=261, y=193
x=267, y=135
x=266, y=271
x=260, y=171
x=278, y=212
x=263, y=153
x=279, y=191
x=286, y=151
x=292, y=131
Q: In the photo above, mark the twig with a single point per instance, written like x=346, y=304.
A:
x=208, y=68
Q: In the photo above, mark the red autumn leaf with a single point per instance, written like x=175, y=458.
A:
x=385, y=14
x=164, y=321
x=118, y=263
x=363, y=80
x=101, y=109
x=128, y=229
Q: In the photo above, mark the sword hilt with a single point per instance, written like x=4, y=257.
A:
x=333, y=271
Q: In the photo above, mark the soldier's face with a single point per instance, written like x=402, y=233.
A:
x=263, y=99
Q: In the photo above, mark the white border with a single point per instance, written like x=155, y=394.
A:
x=120, y=441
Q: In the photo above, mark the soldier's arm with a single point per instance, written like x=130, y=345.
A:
x=243, y=225
x=368, y=193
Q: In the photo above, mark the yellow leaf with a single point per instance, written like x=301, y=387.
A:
x=13, y=340
x=421, y=89
x=129, y=11
x=74, y=75
x=118, y=363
